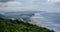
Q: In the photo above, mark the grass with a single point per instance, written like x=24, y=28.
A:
x=8, y=25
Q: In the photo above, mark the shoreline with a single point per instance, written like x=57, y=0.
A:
x=34, y=22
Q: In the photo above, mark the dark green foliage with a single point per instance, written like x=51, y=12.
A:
x=8, y=25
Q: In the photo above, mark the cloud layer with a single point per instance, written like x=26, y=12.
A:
x=27, y=5
x=5, y=0
x=54, y=1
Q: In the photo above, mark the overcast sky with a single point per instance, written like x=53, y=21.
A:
x=30, y=5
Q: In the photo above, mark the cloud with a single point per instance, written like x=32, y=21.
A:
x=16, y=6
x=54, y=1
x=13, y=4
x=27, y=5
x=5, y=0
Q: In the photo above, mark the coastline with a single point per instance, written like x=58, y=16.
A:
x=32, y=21
x=36, y=23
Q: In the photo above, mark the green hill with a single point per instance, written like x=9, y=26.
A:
x=8, y=25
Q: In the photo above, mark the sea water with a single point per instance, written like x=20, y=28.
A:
x=48, y=20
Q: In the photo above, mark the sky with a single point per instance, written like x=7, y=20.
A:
x=30, y=5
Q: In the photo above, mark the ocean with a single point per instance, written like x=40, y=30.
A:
x=44, y=19
x=48, y=20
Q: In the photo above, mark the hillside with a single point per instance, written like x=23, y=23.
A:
x=8, y=25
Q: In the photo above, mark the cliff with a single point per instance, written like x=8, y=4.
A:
x=8, y=25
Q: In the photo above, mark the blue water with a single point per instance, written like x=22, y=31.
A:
x=48, y=20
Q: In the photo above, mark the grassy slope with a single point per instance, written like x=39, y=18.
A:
x=7, y=25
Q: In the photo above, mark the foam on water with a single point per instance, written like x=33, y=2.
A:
x=47, y=22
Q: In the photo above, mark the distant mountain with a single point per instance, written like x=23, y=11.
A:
x=25, y=15
x=2, y=16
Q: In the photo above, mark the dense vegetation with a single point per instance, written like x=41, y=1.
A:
x=8, y=25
